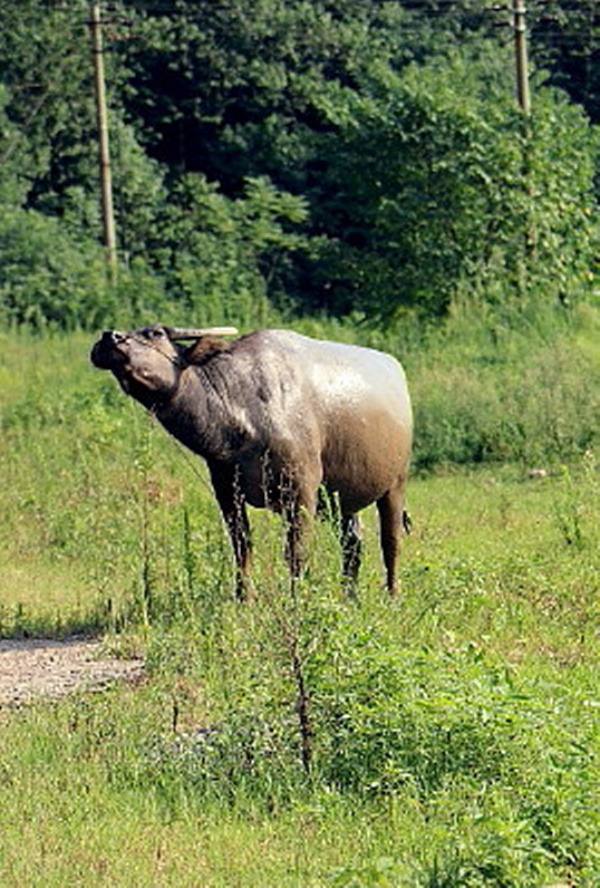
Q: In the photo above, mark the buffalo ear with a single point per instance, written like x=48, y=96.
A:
x=203, y=349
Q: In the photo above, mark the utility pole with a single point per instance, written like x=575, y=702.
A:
x=525, y=256
x=522, y=63
x=108, y=217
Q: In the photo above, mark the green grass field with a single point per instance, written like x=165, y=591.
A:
x=454, y=733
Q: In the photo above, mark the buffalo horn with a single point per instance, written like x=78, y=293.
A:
x=191, y=333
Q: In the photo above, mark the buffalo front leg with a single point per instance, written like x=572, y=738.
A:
x=391, y=522
x=299, y=511
x=227, y=489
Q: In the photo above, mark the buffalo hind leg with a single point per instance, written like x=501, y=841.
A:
x=233, y=507
x=351, y=551
x=391, y=522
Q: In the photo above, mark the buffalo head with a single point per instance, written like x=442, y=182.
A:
x=148, y=362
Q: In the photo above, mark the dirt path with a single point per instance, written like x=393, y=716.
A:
x=35, y=668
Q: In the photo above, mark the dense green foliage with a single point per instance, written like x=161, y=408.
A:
x=358, y=158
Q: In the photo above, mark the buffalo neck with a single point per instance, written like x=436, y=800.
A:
x=207, y=414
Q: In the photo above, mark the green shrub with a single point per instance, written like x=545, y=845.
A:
x=48, y=280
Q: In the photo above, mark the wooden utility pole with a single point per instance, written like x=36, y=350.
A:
x=108, y=216
x=524, y=99
x=522, y=62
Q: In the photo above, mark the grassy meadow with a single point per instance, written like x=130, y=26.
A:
x=447, y=738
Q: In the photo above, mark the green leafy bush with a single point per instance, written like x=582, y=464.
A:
x=433, y=188
x=48, y=280
x=216, y=255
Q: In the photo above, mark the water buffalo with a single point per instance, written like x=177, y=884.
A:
x=279, y=418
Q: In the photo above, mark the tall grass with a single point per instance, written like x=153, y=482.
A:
x=454, y=734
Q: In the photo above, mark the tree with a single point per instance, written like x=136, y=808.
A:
x=565, y=41
x=340, y=155
x=228, y=88
x=46, y=71
x=425, y=192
